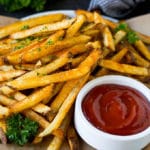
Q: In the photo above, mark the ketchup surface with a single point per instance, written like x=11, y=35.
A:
x=117, y=109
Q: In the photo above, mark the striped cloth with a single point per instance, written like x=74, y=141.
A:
x=114, y=8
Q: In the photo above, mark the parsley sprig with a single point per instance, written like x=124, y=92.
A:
x=131, y=36
x=20, y=130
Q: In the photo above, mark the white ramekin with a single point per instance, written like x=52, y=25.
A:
x=102, y=140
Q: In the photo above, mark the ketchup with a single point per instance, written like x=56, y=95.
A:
x=117, y=109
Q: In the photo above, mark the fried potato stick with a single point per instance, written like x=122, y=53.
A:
x=108, y=39
x=7, y=75
x=44, y=70
x=64, y=109
x=72, y=138
x=117, y=57
x=83, y=69
x=39, y=52
x=124, y=68
x=32, y=99
x=4, y=112
x=74, y=28
x=44, y=28
x=58, y=141
x=143, y=49
x=60, y=98
x=9, y=29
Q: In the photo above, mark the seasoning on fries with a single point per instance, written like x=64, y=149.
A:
x=45, y=61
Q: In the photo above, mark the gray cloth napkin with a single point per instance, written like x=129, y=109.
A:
x=114, y=8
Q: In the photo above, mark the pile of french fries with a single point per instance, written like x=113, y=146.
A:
x=45, y=61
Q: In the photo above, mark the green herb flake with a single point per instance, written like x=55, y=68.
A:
x=50, y=42
x=131, y=36
x=20, y=130
x=39, y=49
x=25, y=27
x=19, y=47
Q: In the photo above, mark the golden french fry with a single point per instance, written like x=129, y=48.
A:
x=44, y=70
x=108, y=39
x=45, y=28
x=41, y=109
x=7, y=75
x=39, y=52
x=119, y=35
x=15, y=56
x=72, y=138
x=65, y=107
x=57, y=102
x=4, y=112
x=54, y=37
x=99, y=19
x=32, y=99
x=89, y=15
x=6, y=101
x=57, y=141
x=6, y=68
x=117, y=58
x=143, y=49
x=37, y=81
x=5, y=31
x=74, y=28
x=139, y=60
x=124, y=68
x=3, y=125
x=57, y=88
x=143, y=37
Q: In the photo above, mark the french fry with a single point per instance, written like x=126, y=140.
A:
x=57, y=141
x=117, y=58
x=3, y=125
x=32, y=100
x=4, y=112
x=48, y=68
x=37, y=53
x=88, y=14
x=5, y=31
x=60, y=98
x=119, y=35
x=124, y=68
x=45, y=28
x=74, y=28
x=72, y=138
x=108, y=39
x=64, y=109
x=99, y=19
x=7, y=75
x=41, y=109
x=6, y=101
x=143, y=37
x=83, y=69
x=143, y=49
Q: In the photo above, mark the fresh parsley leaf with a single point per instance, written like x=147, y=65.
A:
x=131, y=36
x=20, y=130
x=25, y=27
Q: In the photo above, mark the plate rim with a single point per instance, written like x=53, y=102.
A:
x=68, y=12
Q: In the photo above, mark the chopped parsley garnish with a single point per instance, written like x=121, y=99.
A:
x=131, y=36
x=20, y=130
x=25, y=27
x=50, y=42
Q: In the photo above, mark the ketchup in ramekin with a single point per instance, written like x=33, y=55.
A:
x=117, y=109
